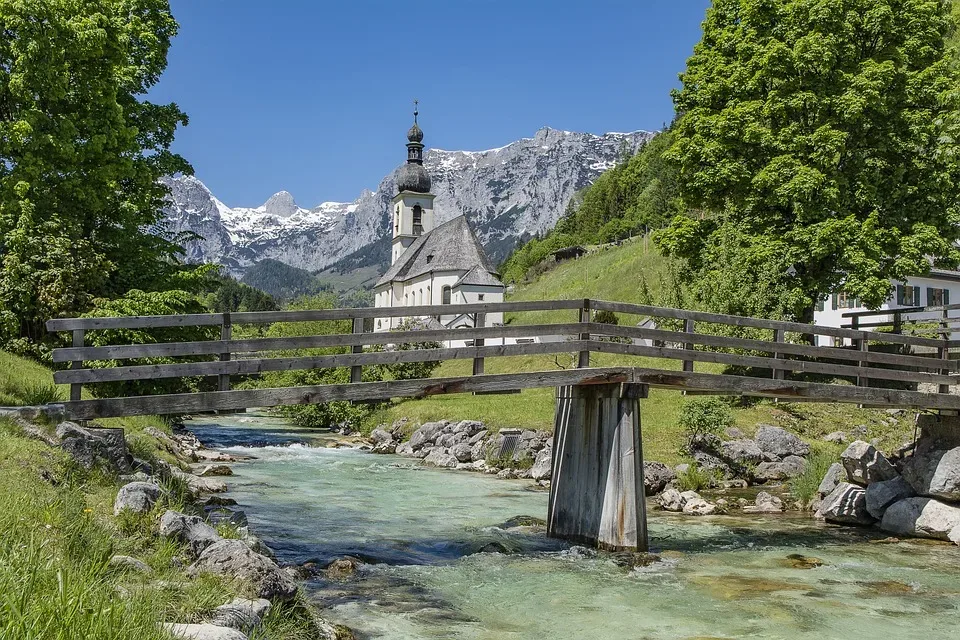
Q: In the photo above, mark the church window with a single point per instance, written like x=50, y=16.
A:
x=480, y=297
x=446, y=295
x=396, y=224
x=417, y=219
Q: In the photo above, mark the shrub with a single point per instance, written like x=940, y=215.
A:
x=705, y=416
x=804, y=486
x=696, y=478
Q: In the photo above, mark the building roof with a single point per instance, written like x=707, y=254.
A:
x=480, y=277
x=413, y=177
x=451, y=246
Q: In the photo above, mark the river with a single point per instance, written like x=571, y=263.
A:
x=440, y=567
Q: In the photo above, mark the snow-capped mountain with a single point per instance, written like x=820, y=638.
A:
x=508, y=193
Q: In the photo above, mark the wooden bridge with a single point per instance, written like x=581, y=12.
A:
x=597, y=489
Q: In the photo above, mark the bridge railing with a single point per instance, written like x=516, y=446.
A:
x=935, y=321
x=764, y=353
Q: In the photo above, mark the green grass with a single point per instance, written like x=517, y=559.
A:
x=25, y=383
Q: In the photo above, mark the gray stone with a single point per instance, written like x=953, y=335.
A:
x=202, y=632
x=681, y=468
x=379, y=435
x=695, y=505
x=765, y=503
x=439, y=457
x=92, y=446
x=470, y=427
x=462, y=452
x=923, y=517
x=478, y=451
x=740, y=453
x=385, y=448
x=130, y=563
x=884, y=493
x=864, y=464
x=934, y=472
x=656, y=477
x=198, y=485
x=241, y=614
x=541, y=468
x=235, y=559
x=405, y=449
x=478, y=437
x=425, y=434
x=780, y=442
x=734, y=433
x=191, y=531
x=789, y=467
x=837, y=436
x=215, y=470
x=847, y=504
x=136, y=497
x=670, y=500
x=710, y=462
x=834, y=476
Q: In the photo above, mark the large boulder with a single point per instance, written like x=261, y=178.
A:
x=379, y=435
x=765, y=503
x=470, y=427
x=656, y=477
x=197, y=485
x=847, y=504
x=834, y=476
x=923, y=517
x=542, y=466
x=780, y=442
x=789, y=467
x=90, y=447
x=934, y=472
x=670, y=500
x=741, y=454
x=202, y=632
x=865, y=464
x=881, y=495
x=695, y=505
x=136, y=497
x=235, y=559
x=191, y=531
x=241, y=614
x=427, y=433
x=462, y=452
x=440, y=457
x=710, y=462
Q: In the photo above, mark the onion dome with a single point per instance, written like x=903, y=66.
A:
x=413, y=177
x=415, y=134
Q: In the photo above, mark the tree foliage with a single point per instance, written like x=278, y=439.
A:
x=817, y=146
x=80, y=157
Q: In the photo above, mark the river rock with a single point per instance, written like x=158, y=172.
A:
x=923, y=517
x=470, y=427
x=694, y=504
x=711, y=462
x=384, y=448
x=241, y=614
x=478, y=451
x=131, y=563
x=865, y=464
x=670, y=500
x=789, y=467
x=881, y=495
x=202, y=632
x=834, y=476
x=765, y=503
x=656, y=477
x=380, y=434
x=462, y=452
x=934, y=472
x=405, y=449
x=198, y=485
x=93, y=446
x=780, y=442
x=847, y=504
x=191, y=531
x=542, y=466
x=215, y=470
x=426, y=433
x=439, y=457
x=741, y=453
x=136, y=497
x=235, y=559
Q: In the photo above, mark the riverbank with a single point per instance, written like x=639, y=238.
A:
x=99, y=539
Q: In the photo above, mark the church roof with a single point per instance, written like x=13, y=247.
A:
x=451, y=246
x=480, y=277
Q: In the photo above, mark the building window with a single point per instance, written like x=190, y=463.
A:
x=379, y=324
x=820, y=304
x=396, y=223
x=937, y=297
x=429, y=258
x=417, y=220
x=844, y=300
x=908, y=296
x=479, y=297
x=446, y=295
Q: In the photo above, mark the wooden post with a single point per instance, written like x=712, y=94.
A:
x=944, y=351
x=226, y=331
x=356, y=372
x=688, y=327
x=583, y=359
x=597, y=492
x=478, y=342
x=76, y=389
x=779, y=335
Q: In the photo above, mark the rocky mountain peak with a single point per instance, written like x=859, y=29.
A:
x=281, y=204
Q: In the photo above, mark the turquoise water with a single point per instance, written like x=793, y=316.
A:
x=428, y=534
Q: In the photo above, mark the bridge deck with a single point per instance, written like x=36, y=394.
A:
x=873, y=368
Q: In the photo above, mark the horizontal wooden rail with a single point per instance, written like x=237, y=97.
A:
x=880, y=312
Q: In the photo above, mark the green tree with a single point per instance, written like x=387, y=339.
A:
x=817, y=145
x=80, y=156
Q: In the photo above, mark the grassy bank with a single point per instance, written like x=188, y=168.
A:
x=58, y=534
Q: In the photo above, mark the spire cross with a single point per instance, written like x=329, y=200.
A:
x=416, y=110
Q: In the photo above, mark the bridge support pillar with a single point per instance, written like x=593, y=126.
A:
x=596, y=490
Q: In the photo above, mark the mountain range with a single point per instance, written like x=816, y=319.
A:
x=509, y=194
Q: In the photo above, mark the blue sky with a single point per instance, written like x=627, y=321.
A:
x=314, y=96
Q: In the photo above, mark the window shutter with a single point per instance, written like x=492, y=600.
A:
x=946, y=297
x=835, y=307
x=901, y=291
x=929, y=296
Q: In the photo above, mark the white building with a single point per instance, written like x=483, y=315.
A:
x=935, y=289
x=433, y=265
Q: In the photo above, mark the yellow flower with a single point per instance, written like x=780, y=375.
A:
x=88, y=510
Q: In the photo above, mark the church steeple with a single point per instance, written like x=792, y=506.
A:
x=413, y=204
x=415, y=138
x=412, y=176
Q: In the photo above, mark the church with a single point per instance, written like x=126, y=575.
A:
x=432, y=264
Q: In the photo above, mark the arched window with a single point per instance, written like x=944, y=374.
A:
x=396, y=223
x=446, y=295
x=417, y=220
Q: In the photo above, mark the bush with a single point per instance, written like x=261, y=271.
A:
x=706, y=416
x=804, y=486
x=696, y=478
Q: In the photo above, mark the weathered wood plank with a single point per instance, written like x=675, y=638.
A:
x=759, y=323
x=212, y=347
x=269, y=317
x=241, y=399
x=255, y=366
